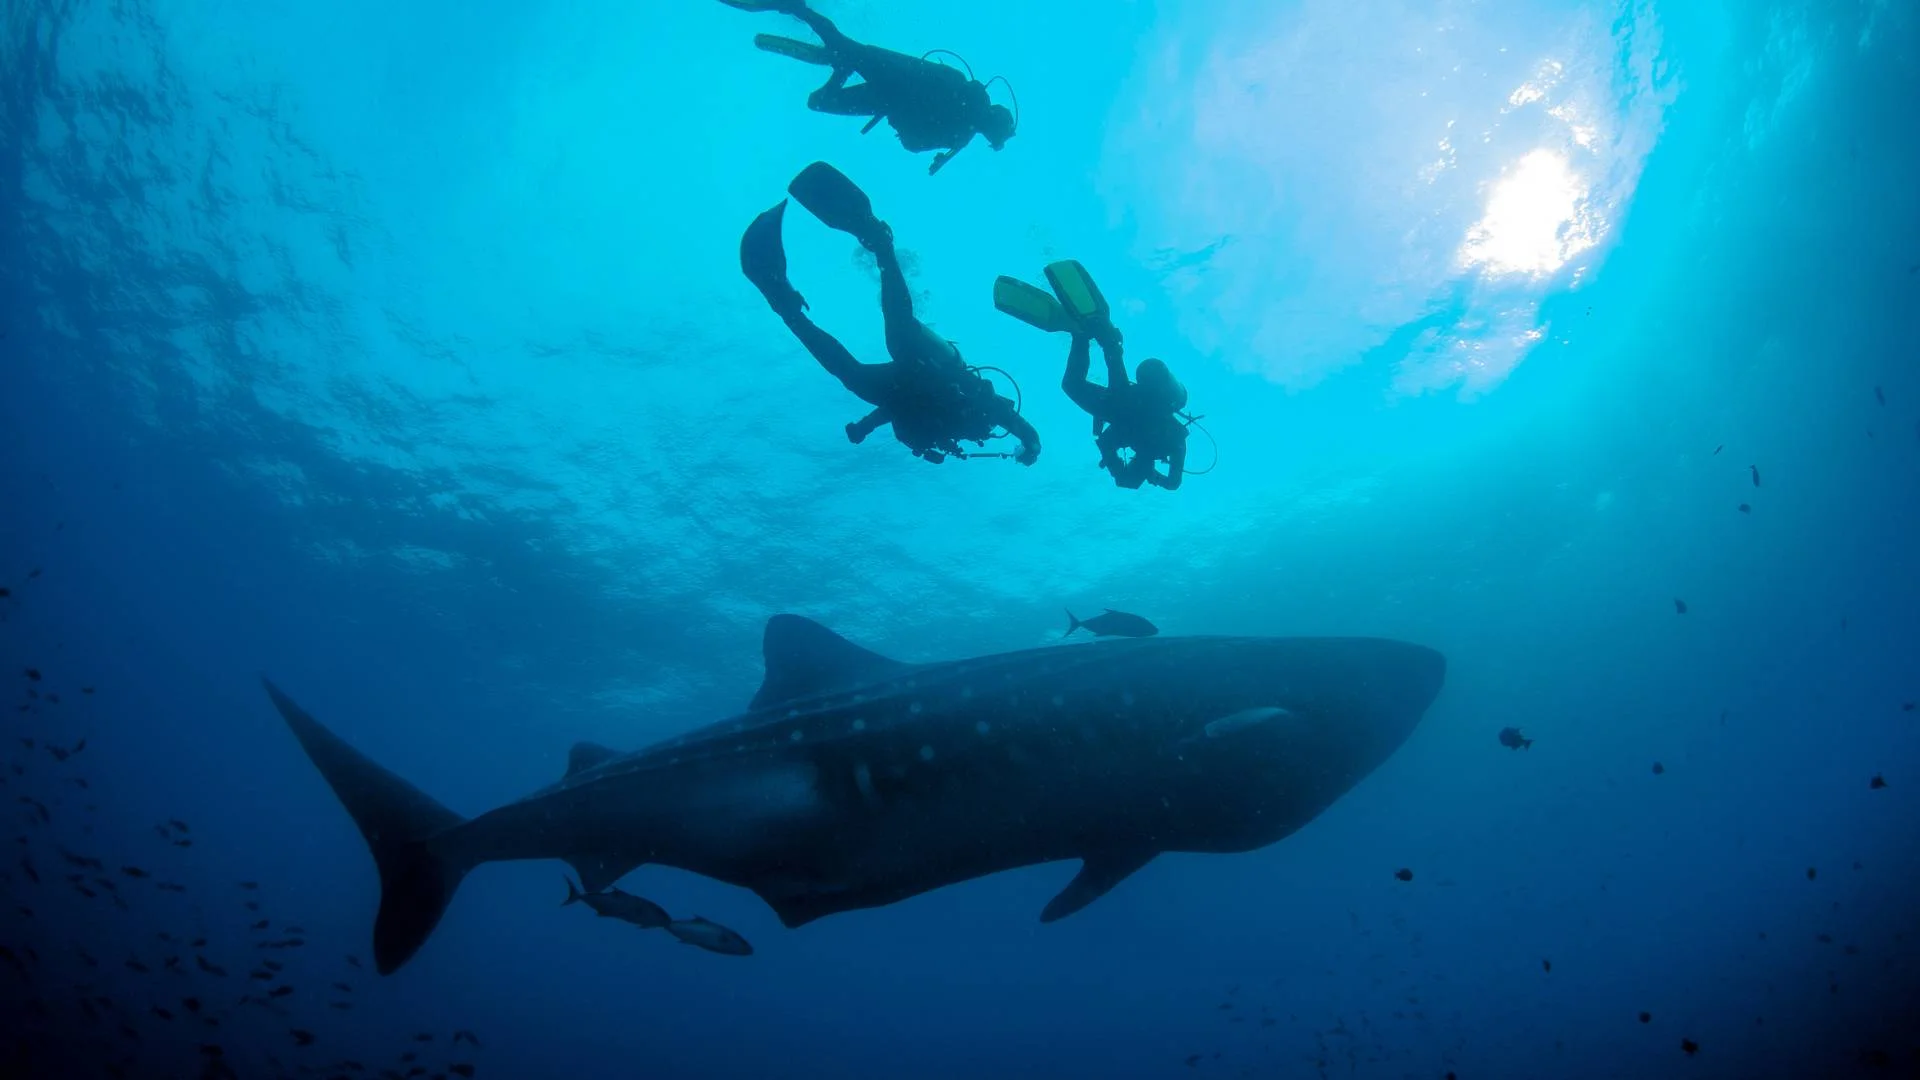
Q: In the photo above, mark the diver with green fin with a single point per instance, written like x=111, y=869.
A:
x=933, y=399
x=931, y=106
x=1141, y=415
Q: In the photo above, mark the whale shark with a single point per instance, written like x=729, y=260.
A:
x=854, y=780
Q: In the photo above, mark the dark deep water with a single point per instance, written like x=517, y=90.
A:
x=401, y=353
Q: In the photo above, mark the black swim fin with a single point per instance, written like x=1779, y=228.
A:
x=838, y=202
x=763, y=258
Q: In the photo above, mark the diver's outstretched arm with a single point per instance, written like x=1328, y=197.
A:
x=1004, y=414
x=940, y=160
x=858, y=431
x=1176, y=468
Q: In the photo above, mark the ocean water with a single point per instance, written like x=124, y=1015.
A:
x=400, y=353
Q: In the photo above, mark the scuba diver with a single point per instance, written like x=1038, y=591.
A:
x=926, y=391
x=1142, y=414
x=1137, y=415
x=931, y=106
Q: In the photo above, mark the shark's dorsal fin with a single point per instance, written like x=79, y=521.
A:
x=1098, y=873
x=587, y=755
x=805, y=658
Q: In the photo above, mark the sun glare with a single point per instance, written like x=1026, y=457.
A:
x=1534, y=221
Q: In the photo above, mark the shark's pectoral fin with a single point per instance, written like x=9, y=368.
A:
x=599, y=871
x=1098, y=873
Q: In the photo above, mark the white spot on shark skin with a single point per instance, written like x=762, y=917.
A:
x=1126, y=699
x=982, y=727
x=966, y=692
x=926, y=753
x=796, y=736
x=1058, y=701
x=863, y=779
x=914, y=708
x=1244, y=719
x=860, y=725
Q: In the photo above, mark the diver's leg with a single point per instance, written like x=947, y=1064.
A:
x=829, y=34
x=1079, y=389
x=868, y=382
x=836, y=99
x=908, y=339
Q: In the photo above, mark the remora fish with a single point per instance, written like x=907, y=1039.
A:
x=854, y=780
x=709, y=935
x=615, y=904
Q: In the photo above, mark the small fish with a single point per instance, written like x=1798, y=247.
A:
x=263, y=975
x=1690, y=1047
x=26, y=865
x=135, y=965
x=197, y=943
x=353, y=961
x=210, y=967
x=183, y=842
x=33, y=674
x=261, y=925
x=288, y=943
x=178, y=824
x=623, y=906
x=465, y=1036
x=1745, y=509
x=1513, y=740
x=342, y=1005
x=1403, y=874
x=296, y=930
x=1546, y=966
x=1679, y=606
x=1812, y=872
x=1906, y=706
x=273, y=965
x=1755, y=471
x=1717, y=449
x=423, y=1036
x=710, y=936
x=192, y=1004
x=1646, y=1017
x=280, y=991
x=1111, y=623
x=1880, y=395
x=162, y=1013
x=1876, y=783
x=302, y=1038
x=168, y=886
x=1658, y=769
x=460, y=1068
x=134, y=872
x=343, y=988
x=1192, y=1060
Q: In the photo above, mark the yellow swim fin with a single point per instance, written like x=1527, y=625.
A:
x=1077, y=292
x=804, y=51
x=1031, y=305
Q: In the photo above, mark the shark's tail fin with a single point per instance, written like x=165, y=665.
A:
x=1072, y=625
x=574, y=895
x=396, y=819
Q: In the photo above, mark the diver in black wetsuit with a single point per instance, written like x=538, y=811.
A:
x=927, y=392
x=1137, y=415
x=930, y=105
